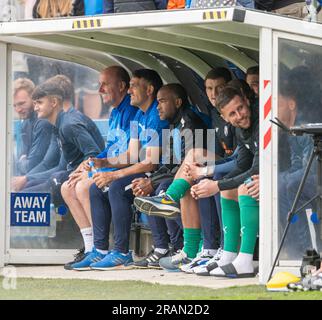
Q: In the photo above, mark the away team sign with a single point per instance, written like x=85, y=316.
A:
x=30, y=209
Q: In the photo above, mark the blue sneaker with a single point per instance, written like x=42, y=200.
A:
x=114, y=260
x=91, y=257
x=161, y=206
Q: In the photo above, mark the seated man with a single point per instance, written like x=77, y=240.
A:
x=35, y=133
x=252, y=78
x=77, y=135
x=141, y=156
x=174, y=107
x=299, y=102
x=239, y=211
x=53, y=160
x=219, y=170
x=114, y=83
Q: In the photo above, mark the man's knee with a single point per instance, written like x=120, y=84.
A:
x=194, y=155
x=242, y=190
x=189, y=156
x=66, y=191
x=230, y=194
x=82, y=188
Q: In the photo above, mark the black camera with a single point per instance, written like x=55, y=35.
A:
x=309, y=128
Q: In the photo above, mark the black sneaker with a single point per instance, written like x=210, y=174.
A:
x=79, y=256
x=151, y=261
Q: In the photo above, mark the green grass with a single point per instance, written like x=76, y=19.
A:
x=38, y=289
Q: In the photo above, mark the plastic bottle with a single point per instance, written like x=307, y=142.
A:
x=93, y=171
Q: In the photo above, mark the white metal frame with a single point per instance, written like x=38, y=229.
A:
x=41, y=256
x=9, y=114
x=3, y=151
x=277, y=35
x=265, y=232
x=115, y=21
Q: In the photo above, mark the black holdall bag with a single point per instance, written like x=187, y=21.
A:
x=133, y=5
x=310, y=262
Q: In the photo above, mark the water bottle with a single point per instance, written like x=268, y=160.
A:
x=93, y=171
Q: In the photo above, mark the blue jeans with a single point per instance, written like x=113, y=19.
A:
x=209, y=221
x=166, y=230
x=113, y=205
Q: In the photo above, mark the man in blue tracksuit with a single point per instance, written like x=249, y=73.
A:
x=35, y=133
x=53, y=161
x=142, y=156
x=77, y=135
x=114, y=83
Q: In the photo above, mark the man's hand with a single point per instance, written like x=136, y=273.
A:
x=204, y=189
x=253, y=187
x=84, y=166
x=193, y=170
x=103, y=179
x=98, y=163
x=142, y=187
x=75, y=177
x=17, y=183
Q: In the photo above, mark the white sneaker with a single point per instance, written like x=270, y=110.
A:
x=203, y=270
x=218, y=254
x=201, y=259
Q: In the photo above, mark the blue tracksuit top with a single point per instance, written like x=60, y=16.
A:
x=79, y=137
x=147, y=127
x=119, y=129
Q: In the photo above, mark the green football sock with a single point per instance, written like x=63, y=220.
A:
x=191, y=241
x=177, y=189
x=231, y=224
x=249, y=218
